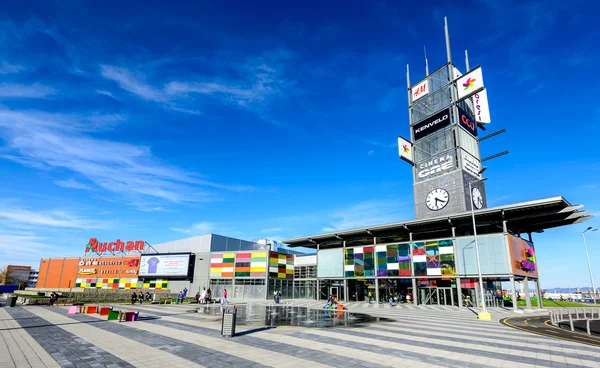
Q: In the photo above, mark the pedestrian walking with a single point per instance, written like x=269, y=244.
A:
x=224, y=301
x=203, y=296
x=275, y=295
x=185, y=290
x=279, y=298
x=369, y=295
x=180, y=297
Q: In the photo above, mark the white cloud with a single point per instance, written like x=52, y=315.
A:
x=132, y=83
x=60, y=141
x=200, y=228
x=368, y=213
x=273, y=230
x=71, y=183
x=23, y=248
x=106, y=93
x=19, y=216
x=371, y=152
x=8, y=68
x=250, y=84
x=25, y=91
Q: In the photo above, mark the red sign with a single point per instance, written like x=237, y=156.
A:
x=117, y=246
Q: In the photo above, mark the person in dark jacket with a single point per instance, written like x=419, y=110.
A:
x=141, y=297
x=133, y=298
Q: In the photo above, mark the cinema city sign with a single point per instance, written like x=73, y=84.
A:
x=114, y=247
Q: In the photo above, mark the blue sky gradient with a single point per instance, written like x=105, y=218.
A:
x=158, y=121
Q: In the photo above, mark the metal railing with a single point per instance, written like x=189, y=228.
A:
x=558, y=316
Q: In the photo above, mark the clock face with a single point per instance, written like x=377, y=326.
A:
x=477, y=198
x=437, y=199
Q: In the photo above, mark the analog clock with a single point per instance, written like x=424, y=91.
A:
x=477, y=198
x=437, y=199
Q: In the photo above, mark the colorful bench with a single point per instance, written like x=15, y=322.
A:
x=90, y=309
x=103, y=311
x=129, y=316
x=113, y=315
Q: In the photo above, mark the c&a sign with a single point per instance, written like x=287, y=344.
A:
x=467, y=122
x=117, y=246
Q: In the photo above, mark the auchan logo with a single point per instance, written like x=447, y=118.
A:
x=117, y=246
x=405, y=148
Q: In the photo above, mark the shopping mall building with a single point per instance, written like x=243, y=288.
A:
x=433, y=260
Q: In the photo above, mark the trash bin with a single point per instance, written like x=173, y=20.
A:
x=11, y=301
x=228, y=322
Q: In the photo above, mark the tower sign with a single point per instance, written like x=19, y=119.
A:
x=445, y=108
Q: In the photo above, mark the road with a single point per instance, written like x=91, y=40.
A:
x=541, y=325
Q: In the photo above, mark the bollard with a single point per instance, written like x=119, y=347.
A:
x=571, y=322
x=587, y=326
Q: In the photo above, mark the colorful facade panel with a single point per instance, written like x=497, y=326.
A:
x=281, y=265
x=251, y=264
x=393, y=260
x=242, y=264
x=120, y=284
x=222, y=265
x=359, y=262
x=434, y=258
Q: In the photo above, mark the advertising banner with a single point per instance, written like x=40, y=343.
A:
x=174, y=265
x=466, y=121
x=405, y=149
x=432, y=124
x=469, y=83
x=420, y=90
x=522, y=254
x=482, y=109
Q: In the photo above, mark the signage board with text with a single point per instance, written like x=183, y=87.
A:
x=420, y=90
x=432, y=124
x=467, y=121
x=405, y=149
x=481, y=107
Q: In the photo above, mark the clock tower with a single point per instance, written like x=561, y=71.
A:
x=446, y=111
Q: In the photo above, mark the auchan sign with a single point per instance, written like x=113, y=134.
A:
x=117, y=246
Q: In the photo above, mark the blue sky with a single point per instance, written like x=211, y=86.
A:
x=272, y=120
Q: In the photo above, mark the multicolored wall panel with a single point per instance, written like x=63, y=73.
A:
x=281, y=265
x=359, y=262
x=221, y=265
x=121, y=284
x=251, y=264
x=435, y=258
x=393, y=260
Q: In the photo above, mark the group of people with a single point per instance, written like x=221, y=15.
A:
x=135, y=297
x=204, y=297
x=332, y=302
x=392, y=297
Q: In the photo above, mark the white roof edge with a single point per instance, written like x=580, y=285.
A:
x=432, y=219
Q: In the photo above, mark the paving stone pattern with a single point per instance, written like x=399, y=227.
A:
x=67, y=349
x=191, y=352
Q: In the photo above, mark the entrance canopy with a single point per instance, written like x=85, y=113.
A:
x=520, y=218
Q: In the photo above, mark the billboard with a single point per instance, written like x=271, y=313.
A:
x=420, y=90
x=482, y=109
x=405, y=149
x=432, y=124
x=522, y=255
x=470, y=164
x=469, y=83
x=166, y=265
x=466, y=121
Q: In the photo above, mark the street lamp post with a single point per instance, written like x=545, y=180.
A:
x=588, y=261
x=484, y=314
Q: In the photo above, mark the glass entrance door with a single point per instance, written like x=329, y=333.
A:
x=428, y=296
x=446, y=296
x=333, y=291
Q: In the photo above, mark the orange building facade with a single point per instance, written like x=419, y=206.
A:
x=94, y=273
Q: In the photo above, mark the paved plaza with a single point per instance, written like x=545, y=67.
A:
x=171, y=336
